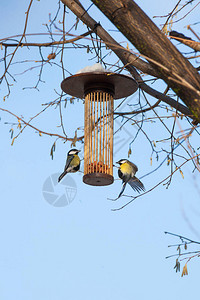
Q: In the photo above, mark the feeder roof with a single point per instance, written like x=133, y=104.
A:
x=124, y=85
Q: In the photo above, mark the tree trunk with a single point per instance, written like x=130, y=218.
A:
x=173, y=68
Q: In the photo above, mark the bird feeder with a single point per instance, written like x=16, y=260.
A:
x=99, y=89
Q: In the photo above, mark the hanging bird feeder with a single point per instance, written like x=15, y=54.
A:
x=98, y=89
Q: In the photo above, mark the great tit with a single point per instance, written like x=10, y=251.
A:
x=72, y=163
x=127, y=172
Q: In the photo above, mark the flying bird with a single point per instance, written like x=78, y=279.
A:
x=126, y=172
x=72, y=163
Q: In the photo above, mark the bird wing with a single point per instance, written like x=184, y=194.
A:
x=135, y=168
x=69, y=160
x=136, y=184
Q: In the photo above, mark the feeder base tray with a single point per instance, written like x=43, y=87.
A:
x=98, y=179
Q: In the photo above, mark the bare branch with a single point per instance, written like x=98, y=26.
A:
x=47, y=44
x=128, y=59
x=41, y=131
x=18, y=45
x=152, y=43
x=185, y=40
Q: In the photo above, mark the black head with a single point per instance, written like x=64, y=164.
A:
x=121, y=161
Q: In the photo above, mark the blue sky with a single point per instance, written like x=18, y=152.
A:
x=84, y=250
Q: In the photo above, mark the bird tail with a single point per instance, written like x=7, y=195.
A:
x=123, y=188
x=136, y=184
x=61, y=176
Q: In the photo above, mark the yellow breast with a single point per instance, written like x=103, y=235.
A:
x=76, y=160
x=126, y=168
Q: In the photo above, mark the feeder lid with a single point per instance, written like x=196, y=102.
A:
x=124, y=85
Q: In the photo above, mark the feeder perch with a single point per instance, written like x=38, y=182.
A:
x=98, y=89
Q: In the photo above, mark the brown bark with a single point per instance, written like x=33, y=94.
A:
x=176, y=70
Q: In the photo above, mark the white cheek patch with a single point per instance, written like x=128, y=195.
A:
x=72, y=152
x=123, y=161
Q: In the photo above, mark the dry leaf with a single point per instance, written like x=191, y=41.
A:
x=185, y=270
x=51, y=56
x=181, y=174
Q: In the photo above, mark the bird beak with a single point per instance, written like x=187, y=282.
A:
x=117, y=162
x=79, y=151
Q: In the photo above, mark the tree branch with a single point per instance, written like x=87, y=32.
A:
x=41, y=131
x=184, y=40
x=137, y=27
x=47, y=44
x=23, y=35
x=129, y=60
x=80, y=12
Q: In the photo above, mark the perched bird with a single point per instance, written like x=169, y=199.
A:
x=127, y=172
x=72, y=163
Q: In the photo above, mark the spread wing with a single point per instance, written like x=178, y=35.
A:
x=136, y=184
